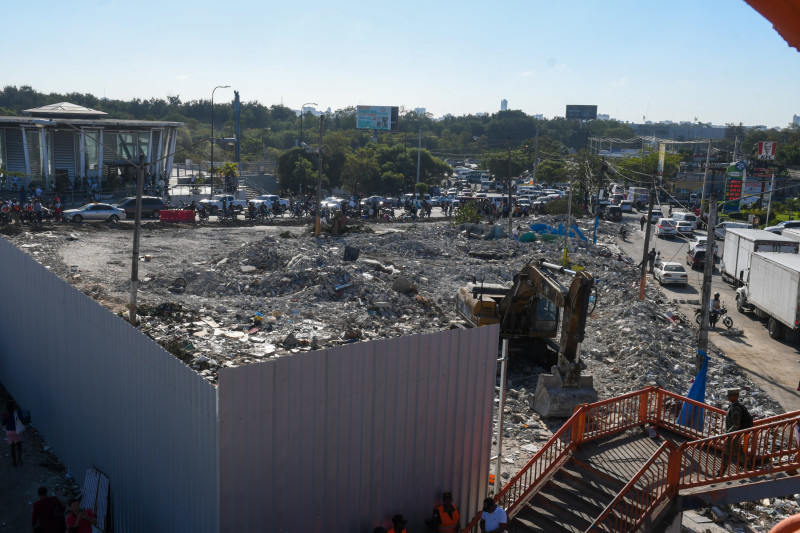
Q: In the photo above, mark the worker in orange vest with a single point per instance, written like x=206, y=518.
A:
x=398, y=524
x=446, y=518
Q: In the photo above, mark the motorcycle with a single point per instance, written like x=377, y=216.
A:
x=714, y=316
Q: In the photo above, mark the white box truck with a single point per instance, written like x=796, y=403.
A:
x=772, y=291
x=741, y=243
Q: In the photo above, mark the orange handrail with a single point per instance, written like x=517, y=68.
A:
x=763, y=448
x=769, y=441
x=646, y=489
x=550, y=455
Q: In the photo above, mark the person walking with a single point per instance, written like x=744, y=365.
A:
x=651, y=259
x=736, y=417
x=493, y=517
x=48, y=514
x=642, y=222
x=12, y=424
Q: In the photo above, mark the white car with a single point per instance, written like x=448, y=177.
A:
x=698, y=242
x=722, y=227
x=684, y=227
x=780, y=226
x=95, y=212
x=665, y=227
x=670, y=273
x=332, y=202
x=626, y=206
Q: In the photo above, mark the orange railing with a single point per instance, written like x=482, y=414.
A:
x=766, y=448
x=542, y=463
x=769, y=447
x=651, y=485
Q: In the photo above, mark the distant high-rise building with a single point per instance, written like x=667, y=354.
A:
x=796, y=119
x=420, y=110
x=503, y=105
x=538, y=117
x=603, y=117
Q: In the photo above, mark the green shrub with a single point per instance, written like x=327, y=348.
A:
x=467, y=212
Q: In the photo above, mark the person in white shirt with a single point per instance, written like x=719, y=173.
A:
x=493, y=517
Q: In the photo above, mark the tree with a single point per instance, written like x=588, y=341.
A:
x=360, y=172
x=422, y=189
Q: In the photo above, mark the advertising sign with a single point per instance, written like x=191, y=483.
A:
x=380, y=118
x=734, y=175
x=582, y=112
x=766, y=149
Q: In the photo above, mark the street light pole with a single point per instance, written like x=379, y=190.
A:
x=211, y=170
x=301, y=120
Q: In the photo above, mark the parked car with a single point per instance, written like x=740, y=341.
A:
x=697, y=258
x=376, y=202
x=698, y=242
x=269, y=201
x=684, y=216
x=721, y=228
x=95, y=212
x=670, y=273
x=780, y=226
x=613, y=213
x=151, y=206
x=657, y=214
x=665, y=227
x=684, y=227
x=626, y=206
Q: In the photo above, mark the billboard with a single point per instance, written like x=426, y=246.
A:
x=375, y=117
x=582, y=112
x=766, y=149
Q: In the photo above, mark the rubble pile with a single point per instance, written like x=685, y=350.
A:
x=284, y=293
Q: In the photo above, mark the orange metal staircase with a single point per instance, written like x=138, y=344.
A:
x=600, y=472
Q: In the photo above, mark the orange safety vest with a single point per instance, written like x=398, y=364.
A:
x=449, y=523
x=395, y=531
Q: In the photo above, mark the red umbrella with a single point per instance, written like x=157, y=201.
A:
x=784, y=15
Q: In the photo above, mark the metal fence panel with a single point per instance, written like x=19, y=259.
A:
x=352, y=435
x=105, y=395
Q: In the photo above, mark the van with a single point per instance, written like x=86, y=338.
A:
x=683, y=216
x=722, y=227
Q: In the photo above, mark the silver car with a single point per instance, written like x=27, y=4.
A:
x=95, y=212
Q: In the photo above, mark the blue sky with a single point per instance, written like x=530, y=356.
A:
x=717, y=60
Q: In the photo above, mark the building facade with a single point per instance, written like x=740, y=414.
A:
x=60, y=145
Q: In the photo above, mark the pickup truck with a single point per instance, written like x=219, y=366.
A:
x=215, y=203
x=269, y=201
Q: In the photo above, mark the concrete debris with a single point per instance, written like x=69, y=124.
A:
x=244, y=299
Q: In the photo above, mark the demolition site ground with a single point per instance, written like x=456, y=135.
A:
x=231, y=294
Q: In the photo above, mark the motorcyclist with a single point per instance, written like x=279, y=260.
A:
x=714, y=308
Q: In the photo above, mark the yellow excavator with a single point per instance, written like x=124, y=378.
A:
x=529, y=311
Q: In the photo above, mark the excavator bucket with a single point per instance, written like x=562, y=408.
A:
x=553, y=399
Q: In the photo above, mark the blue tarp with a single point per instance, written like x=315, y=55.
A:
x=692, y=415
x=544, y=228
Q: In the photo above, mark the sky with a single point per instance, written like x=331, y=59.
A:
x=716, y=61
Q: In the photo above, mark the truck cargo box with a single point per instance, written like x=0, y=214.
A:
x=774, y=286
x=741, y=243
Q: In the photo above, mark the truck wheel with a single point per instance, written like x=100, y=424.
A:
x=739, y=305
x=775, y=328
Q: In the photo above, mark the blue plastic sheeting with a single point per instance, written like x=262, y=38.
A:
x=692, y=415
x=544, y=228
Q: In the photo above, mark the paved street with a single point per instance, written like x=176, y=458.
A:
x=773, y=364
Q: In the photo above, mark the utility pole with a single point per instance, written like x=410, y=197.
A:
x=771, y=192
x=646, y=242
x=510, y=229
x=319, y=176
x=135, y=255
x=708, y=270
x=536, y=153
x=705, y=176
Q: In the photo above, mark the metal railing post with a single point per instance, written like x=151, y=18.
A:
x=644, y=403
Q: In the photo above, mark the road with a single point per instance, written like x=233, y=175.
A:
x=772, y=364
